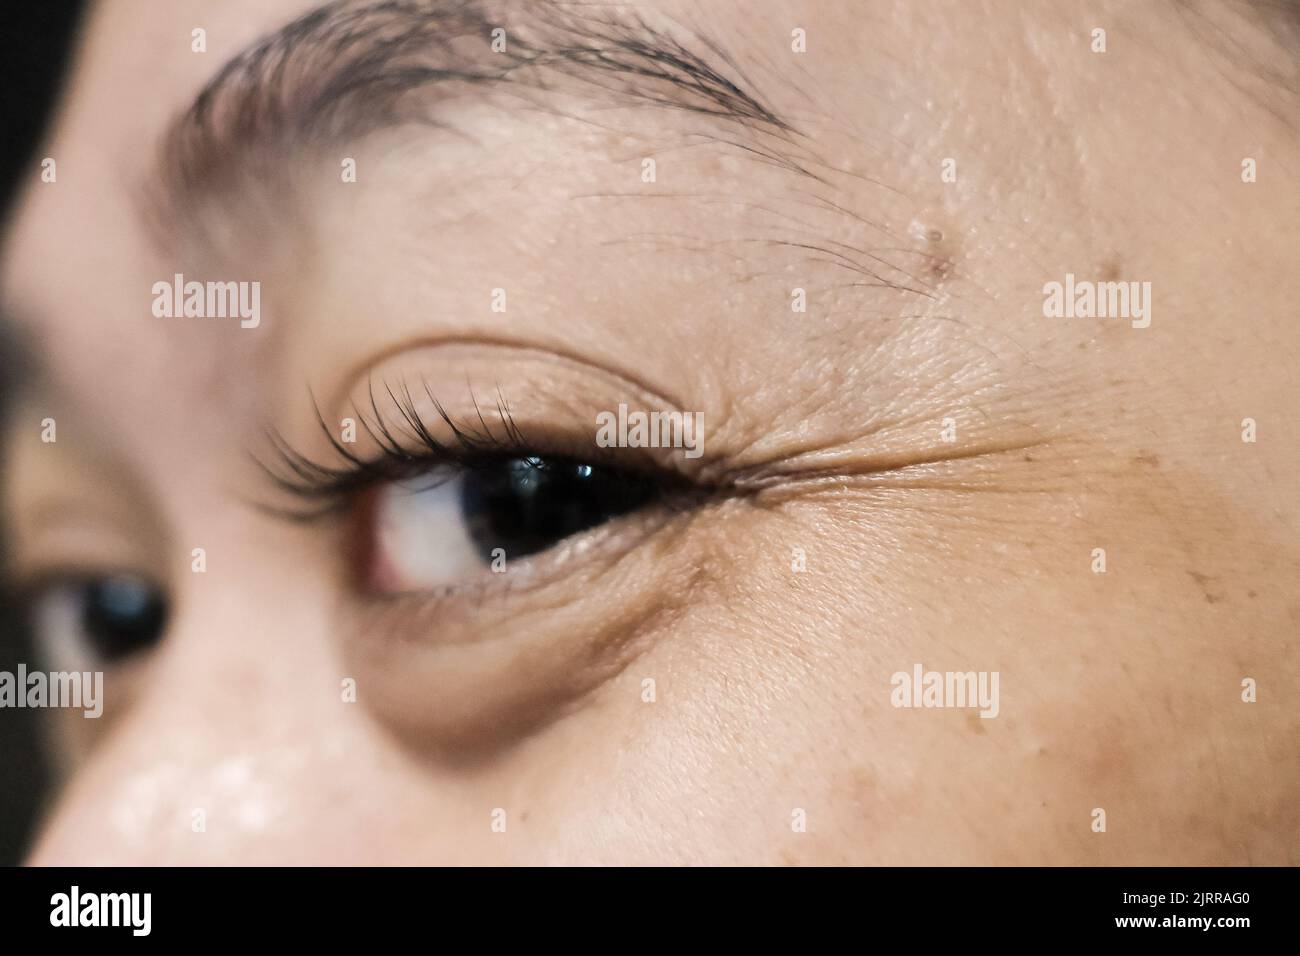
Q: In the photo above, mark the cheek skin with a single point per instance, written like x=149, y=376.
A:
x=1117, y=691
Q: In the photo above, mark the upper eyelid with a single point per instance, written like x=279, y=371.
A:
x=416, y=451
x=505, y=350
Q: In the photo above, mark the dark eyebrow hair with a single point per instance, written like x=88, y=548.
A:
x=352, y=67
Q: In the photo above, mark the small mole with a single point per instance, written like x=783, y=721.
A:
x=1203, y=580
x=1110, y=271
x=1147, y=458
x=940, y=260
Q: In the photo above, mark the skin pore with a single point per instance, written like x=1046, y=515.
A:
x=827, y=435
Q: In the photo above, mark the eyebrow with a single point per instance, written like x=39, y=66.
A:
x=349, y=69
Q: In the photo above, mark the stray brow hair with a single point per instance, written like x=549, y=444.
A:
x=349, y=68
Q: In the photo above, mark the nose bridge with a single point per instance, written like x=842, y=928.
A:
x=236, y=728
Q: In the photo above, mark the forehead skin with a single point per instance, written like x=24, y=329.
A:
x=924, y=314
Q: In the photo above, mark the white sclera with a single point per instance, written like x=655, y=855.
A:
x=57, y=620
x=420, y=535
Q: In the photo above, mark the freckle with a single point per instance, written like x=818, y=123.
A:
x=1251, y=594
x=975, y=723
x=1110, y=272
x=1204, y=581
x=1147, y=458
x=862, y=781
x=1029, y=457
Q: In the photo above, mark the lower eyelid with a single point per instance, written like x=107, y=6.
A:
x=493, y=659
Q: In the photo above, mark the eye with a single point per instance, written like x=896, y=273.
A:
x=100, y=619
x=428, y=534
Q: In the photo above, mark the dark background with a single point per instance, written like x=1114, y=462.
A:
x=34, y=39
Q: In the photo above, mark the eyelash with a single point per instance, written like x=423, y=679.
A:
x=325, y=491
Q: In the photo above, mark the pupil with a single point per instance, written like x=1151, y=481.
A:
x=525, y=505
x=122, y=615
